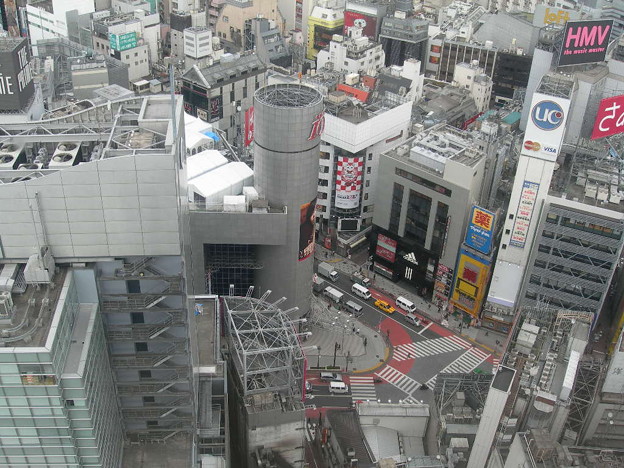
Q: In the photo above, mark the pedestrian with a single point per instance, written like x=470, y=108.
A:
x=374, y=276
x=429, y=306
x=365, y=341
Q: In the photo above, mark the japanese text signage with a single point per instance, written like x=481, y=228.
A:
x=123, y=41
x=585, y=42
x=610, y=118
x=249, y=126
x=480, y=230
x=469, y=287
x=386, y=248
x=524, y=214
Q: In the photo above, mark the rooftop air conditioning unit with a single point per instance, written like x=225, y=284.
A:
x=67, y=154
x=11, y=155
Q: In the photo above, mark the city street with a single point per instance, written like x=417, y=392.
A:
x=415, y=356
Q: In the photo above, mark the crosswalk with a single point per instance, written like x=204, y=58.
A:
x=363, y=388
x=465, y=363
x=419, y=349
x=398, y=379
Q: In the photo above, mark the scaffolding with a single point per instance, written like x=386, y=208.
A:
x=585, y=390
x=265, y=348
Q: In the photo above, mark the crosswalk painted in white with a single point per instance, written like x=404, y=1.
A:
x=398, y=379
x=465, y=363
x=410, y=400
x=363, y=388
x=419, y=349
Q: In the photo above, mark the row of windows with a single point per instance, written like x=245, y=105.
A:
x=424, y=182
x=578, y=241
x=583, y=226
x=574, y=289
x=575, y=256
x=573, y=272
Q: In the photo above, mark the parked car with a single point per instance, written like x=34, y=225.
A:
x=383, y=305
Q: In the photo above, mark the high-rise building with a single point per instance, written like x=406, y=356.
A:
x=323, y=23
x=404, y=37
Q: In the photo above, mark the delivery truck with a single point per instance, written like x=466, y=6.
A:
x=328, y=271
x=333, y=294
x=360, y=279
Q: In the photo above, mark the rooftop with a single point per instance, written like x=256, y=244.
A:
x=8, y=44
x=228, y=69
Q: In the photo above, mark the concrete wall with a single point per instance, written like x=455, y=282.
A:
x=286, y=155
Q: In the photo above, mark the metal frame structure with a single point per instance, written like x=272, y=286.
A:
x=296, y=96
x=586, y=387
x=265, y=348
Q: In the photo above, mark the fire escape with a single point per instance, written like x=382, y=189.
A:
x=148, y=340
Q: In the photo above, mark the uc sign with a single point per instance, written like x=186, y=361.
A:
x=547, y=115
x=610, y=118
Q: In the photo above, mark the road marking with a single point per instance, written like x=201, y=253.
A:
x=397, y=378
x=464, y=364
x=428, y=325
x=431, y=347
x=363, y=388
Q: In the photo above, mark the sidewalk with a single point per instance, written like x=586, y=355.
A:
x=487, y=339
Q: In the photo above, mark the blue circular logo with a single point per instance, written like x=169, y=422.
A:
x=547, y=115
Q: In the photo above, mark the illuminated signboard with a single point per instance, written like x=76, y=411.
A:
x=522, y=220
x=610, y=118
x=585, y=42
x=122, y=42
x=367, y=23
x=469, y=286
x=545, y=126
x=348, y=182
x=480, y=230
x=386, y=248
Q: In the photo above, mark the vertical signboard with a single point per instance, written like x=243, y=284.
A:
x=522, y=221
x=307, y=230
x=610, y=117
x=249, y=126
x=348, y=182
x=367, y=23
x=585, y=42
x=469, y=286
x=215, y=113
x=480, y=230
x=16, y=75
x=545, y=126
x=386, y=248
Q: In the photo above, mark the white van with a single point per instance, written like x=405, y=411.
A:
x=338, y=387
x=353, y=308
x=361, y=291
x=405, y=304
x=331, y=377
x=411, y=318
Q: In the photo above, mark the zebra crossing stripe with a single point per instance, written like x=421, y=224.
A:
x=363, y=388
x=428, y=325
x=465, y=363
x=461, y=342
x=398, y=379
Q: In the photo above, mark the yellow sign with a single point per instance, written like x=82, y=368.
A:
x=469, y=288
x=482, y=219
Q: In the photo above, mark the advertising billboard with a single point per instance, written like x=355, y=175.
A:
x=16, y=75
x=545, y=127
x=348, y=182
x=614, y=380
x=610, y=117
x=307, y=230
x=367, y=23
x=122, y=42
x=386, y=248
x=545, y=15
x=249, y=126
x=480, y=230
x=585, y=42
x=215, y=112
x=470, y=281
x=522, y=221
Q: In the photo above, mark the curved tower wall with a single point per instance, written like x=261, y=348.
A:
x=288, y=122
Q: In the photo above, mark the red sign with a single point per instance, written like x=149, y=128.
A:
x=318, y=125
x=610, y=118
x=249, y=126
x=386, y=248
x=367, y=23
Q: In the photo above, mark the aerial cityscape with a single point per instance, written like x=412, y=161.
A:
x=311, y=234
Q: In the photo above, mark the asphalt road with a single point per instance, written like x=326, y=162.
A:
x=404, y=374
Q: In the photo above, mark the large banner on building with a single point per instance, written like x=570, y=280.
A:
x=522, y=221
x=585, y=42
x=16, y=77
x=307, y=229
x=610, y=118
x=545, y=127
x=348, y=182
x=469, y=287
x=386, y=248
x=249, y=126
x=367, y=23
x=480, y=230
x=551, y=15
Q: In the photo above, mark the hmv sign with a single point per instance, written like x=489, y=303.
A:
x=585, y=42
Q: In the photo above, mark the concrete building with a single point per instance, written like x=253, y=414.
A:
x=296, y=14
x=132, y=38
x=88, y=74
x=353, y=53
x=264, y=38
x=48, y=19
x=459, y=20
x=421, y=207
x=180, y=21
x=445, y=103
x=230, y=23
x=57, y=383
x=354, y=138
x=471, y=77
x=404, y=37
x=221, y=93
x=323, y=23
x=200, y=48
x=367, y=14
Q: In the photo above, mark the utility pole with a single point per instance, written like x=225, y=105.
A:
x=318, y=357
x=336, y=345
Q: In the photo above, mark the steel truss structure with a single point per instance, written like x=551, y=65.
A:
x=585, y=390
x=265, y=348
x=476, y=387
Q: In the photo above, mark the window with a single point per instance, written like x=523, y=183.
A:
x=510, y=216
x=368, y=170
x=140, y=346
x=370, y=156
x=145, y=374
x=148, y=399
x=152, y=423
x=504, y=247
x=366, y=196
x=225, y=19
x=69, y=403
x=507, y=231
x=137, y=317
x=367, y=184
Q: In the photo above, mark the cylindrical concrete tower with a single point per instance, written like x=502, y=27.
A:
x=288, y=120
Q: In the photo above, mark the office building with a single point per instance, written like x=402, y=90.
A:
x=200, y=47
x=48, y=19
x=180, y=21
x=421, y=207
x=404, y=37
x=352, y=53
x=368, y=15
x=471, y=77
x=264, y=39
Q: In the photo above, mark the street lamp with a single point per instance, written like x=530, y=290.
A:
x=335, y=351
x=318, y=357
